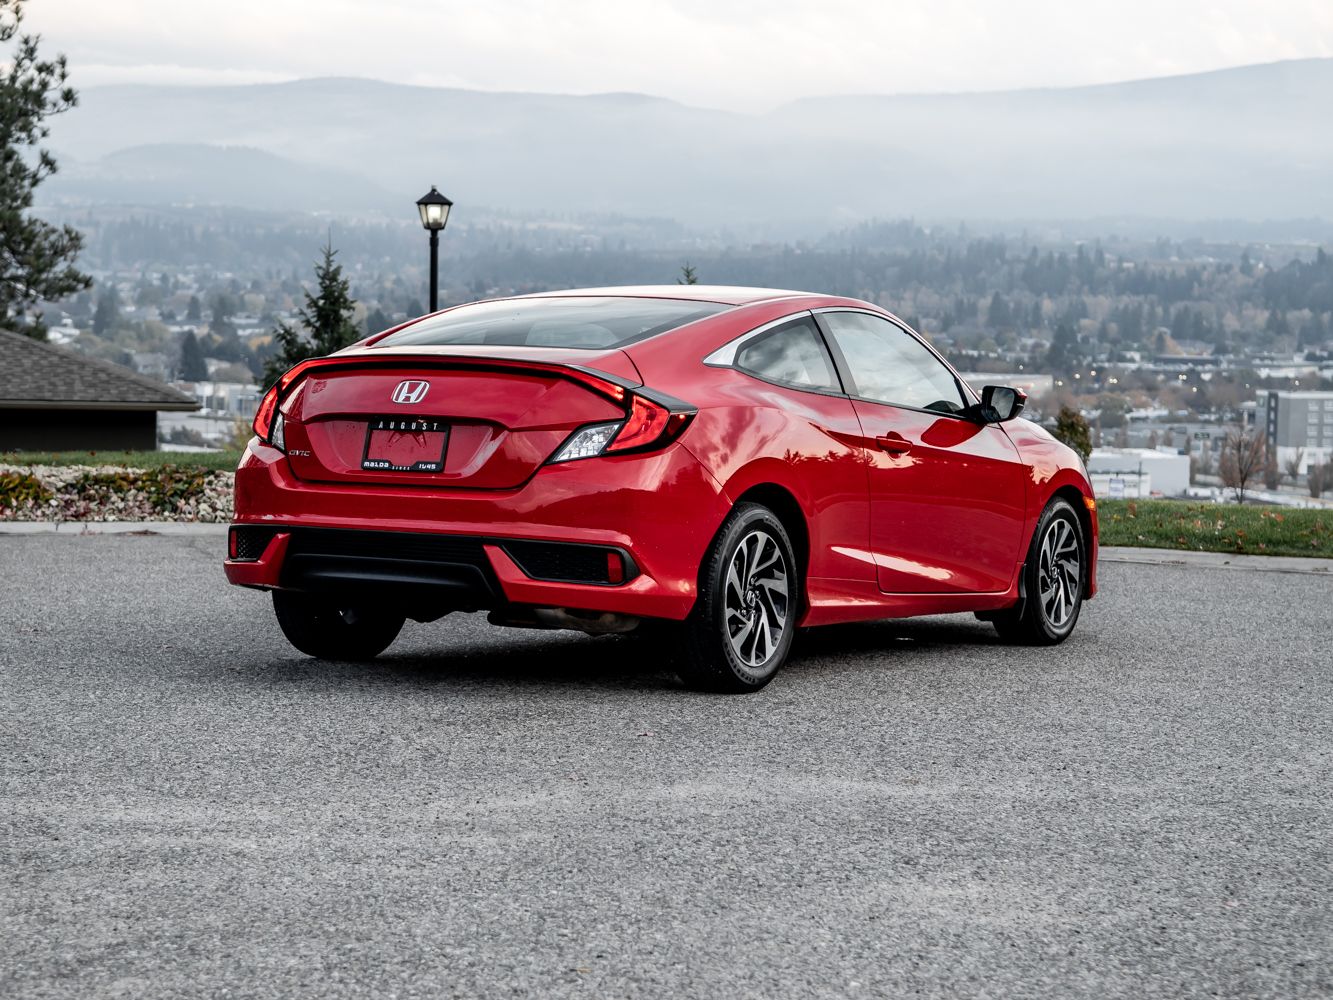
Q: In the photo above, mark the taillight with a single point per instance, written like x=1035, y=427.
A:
x=264, y=415
x=268, y=406
x=586, y=442
x=646, y=424
x=654, y=420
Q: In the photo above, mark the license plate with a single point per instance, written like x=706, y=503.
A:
x=405, y=444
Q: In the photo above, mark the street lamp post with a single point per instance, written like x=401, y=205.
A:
x=434, y=210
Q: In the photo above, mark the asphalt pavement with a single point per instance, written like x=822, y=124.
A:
x=188, y=808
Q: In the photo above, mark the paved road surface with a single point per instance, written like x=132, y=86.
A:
x=187, y=808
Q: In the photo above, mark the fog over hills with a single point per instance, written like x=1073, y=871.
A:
x=1245, y=143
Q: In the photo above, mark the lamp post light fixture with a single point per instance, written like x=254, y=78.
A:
x=434, y=210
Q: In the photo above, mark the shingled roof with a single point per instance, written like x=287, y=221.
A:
x=38, y=375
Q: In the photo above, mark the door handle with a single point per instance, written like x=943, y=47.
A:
x=894, y=444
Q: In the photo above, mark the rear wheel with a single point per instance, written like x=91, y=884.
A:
x=330, y=628
x=1053, y=581
x=741, y=629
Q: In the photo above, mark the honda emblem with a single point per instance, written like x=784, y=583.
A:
x=410, y=392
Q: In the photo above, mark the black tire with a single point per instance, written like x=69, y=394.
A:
x=1052, y=587
x=331, y=629
x=727, y=644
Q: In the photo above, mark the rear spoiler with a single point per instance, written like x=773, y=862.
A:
x=651, y=416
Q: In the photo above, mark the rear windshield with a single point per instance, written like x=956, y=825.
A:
x=554, y=322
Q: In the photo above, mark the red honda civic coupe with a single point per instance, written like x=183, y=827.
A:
x=717, y=465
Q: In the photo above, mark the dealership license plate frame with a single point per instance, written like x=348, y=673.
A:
x=406, y=426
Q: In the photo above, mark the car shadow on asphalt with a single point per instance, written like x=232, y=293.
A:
x=612, y=663
x=892, y=634
x=605, y=663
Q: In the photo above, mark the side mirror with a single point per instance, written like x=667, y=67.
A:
x=1000, y=403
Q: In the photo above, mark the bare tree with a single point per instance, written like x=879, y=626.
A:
x=1292, y=466
x=1244, y=457
x=1272, y=474
x=1319, y=477
x=1203, y=462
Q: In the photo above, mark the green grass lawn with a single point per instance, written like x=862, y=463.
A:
x=1252, y=529
x=224, y=460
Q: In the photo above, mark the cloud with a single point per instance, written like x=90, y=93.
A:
x=724, y=53
x=96, y=74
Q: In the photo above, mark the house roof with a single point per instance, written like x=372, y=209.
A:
x=38, y=375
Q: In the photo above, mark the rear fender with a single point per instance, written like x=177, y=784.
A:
x=834, y=527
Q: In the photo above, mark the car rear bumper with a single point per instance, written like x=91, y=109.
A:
x=623, y=535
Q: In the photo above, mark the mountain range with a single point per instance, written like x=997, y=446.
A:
x=1246, y=143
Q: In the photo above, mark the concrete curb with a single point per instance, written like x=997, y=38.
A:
x=111, y=528
x=1216, y=560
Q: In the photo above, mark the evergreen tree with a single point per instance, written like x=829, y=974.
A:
x=1180, y=324
x=220, y=324
x=997, y=315
x=376, y=321
x=193, y=368
x=195, y=312
x=36, y=258
x=1064, y=353
x=108, y=311
x=1277, y=324
x=1313, y=333
x=687, y=275
x=1072, y=429
x=325, y=319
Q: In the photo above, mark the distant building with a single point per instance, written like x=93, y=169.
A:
x=153, y=364
x=53, y=399
x=1138, y=472
x=225, y=399
x=1297, y=423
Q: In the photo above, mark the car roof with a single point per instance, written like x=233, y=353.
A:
x=732, y=295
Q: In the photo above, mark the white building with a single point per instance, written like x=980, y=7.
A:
x=1121, y=485
x=1297, y=424
x=1139, y=472
x=225, y=399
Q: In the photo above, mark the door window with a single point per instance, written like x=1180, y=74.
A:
x=889, y=365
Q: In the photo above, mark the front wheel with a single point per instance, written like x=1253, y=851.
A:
x=741, y=628
x=328, y=628
x=1053, y=578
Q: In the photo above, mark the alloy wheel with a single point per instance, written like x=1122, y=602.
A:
x=1059, y=573
x=756, y=599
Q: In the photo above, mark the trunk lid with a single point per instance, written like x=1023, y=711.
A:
x=467, y=419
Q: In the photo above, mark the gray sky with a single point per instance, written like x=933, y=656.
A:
x=741, y=54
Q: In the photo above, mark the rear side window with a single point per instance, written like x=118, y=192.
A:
x=570, y=321
x=793, y=354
